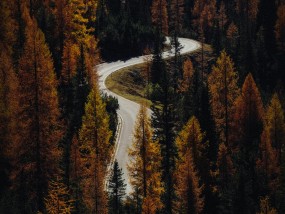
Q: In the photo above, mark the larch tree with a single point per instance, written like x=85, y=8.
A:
x=281, y=187
x=8, y=112
x=74, y=172
x=76, y=22
x=191, y=136
x=38, y=152
x=224, y=176
x=68, y=72
x=159, y=15
x=266, y=164
x=8, y=91
x=94, y=137
x=274, y=121
x=116, y=190
x=265, y=207
x=248, y=123
x=58, y=198
x=188, y=72
x=144, y=165
x=223, y=87
x=280, y=26
x=187, y=187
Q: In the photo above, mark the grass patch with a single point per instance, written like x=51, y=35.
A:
x=128, y=83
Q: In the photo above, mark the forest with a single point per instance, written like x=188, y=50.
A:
x=214, y=142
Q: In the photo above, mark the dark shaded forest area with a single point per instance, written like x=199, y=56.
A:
x=215, y=139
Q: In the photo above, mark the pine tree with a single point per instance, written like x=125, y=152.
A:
x=117, y=190
x=189, y=192
x=164, y=121
x=224, y=90
x=58, y=199
x=38, y=120
x=145, y=163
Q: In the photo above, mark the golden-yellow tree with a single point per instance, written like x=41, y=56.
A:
x=94, y=138
x=187, y=186
x=223, y=87
x=188, y=72
x=37, y=154
x=248, y=124
x=58, y=199
x=75, y=22
x=191, y=136
x=159, y=15
x=145, y=163
x=267, y=163
x=274, y=121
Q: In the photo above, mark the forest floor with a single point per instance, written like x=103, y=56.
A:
x=130, y=84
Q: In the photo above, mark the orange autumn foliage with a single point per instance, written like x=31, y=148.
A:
x=37, y=154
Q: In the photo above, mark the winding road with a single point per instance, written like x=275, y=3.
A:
x=128, y=109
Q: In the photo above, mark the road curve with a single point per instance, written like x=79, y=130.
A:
x=128, y=109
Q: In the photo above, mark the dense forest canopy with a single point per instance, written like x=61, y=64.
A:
x=215, y=139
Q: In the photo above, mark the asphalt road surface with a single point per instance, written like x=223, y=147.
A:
x=128, y=109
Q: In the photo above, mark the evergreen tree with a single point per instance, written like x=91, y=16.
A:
x=117, y=190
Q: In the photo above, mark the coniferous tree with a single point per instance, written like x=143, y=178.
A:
x=225, y=174
x=248, y=124
x=38, y=120
x=224, y=90
x=117, y=190
x=266, y=165
x=94, y=138
x=160, y=16
x=281, y=187
x=265, y=207
x=279, y=27
x=188, y=189
x=58, y=199
x=274, y=121
x=144, y=167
